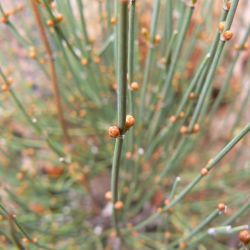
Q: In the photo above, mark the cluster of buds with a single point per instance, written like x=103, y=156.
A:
x=58, y=19
x=184, y=129
x=115, y=131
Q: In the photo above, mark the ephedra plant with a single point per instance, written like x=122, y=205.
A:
x=124, y=124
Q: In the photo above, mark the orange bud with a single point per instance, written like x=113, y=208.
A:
x=228, y=35
x=114, y=132
x=119, y=205
x=244, y=237
x=130, y=121
x=134, y=86
x=204, y=171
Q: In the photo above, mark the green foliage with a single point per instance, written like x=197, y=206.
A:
x=65, y=184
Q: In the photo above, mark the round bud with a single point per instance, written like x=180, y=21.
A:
x=246, y=46
x=50, y=23
x=227, y=35
x=173, y=119
x=183, y=245
x=157, y=39
x=192, y=96
x=221, y=26
x=221, y=207
x=182, y=114
x=134, y=86
x=184, y=130
x=59, y=18
x=144, y=31
x=108, y=196
x=25, y=241
x=228, y=5
x=244, y=237
x=113, y=21
x=5, y=88
x=119, y=205
x=114, y=132
x=84, y=61
x=204, y=171
x=129, y=155
x=130, y=121
x=196, y=128
x=4, y=19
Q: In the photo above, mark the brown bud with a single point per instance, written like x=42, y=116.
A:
x=182, y=114
x=5, y=88
x=134, y=86
x=227, y=35
x=192, y=96
x=119, y=205
x=114, y=132
x=221, y=26
x=204, y=171
x=157, y=39
x=196, y=128
x=84, y=61
x=244, y=237
x=144, y=31
x=172, y=119
x=183, y=245
x=184, y=130
x=221, y=207
x=130, y=121
x=50, y=23
x=228, y=5
x=4, y=19
x=129, y=155
x=113, y=21
x=59, y=18
x=108, y=196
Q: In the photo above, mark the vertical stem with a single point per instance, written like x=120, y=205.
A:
x=121, y=103
x=54, y=81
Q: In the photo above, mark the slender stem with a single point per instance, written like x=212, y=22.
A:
x=121, y=104
x=54, y=80
x=198, y=178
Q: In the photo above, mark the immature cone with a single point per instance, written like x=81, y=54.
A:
x=119, y=205
x=244, y=237
x=114, y=132
x=228, y=35
x=134, y=86
x=130, y=121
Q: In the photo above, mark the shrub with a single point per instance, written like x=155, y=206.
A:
x=106, y=139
